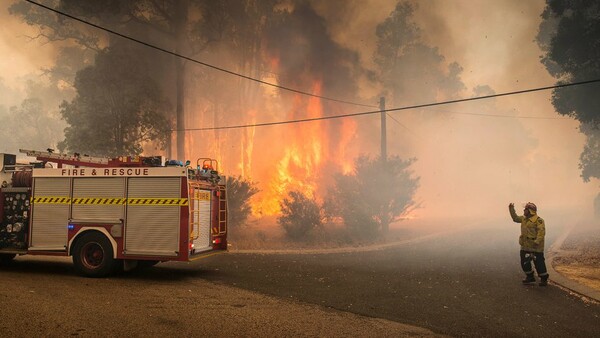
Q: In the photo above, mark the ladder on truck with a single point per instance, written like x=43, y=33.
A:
x=222, y=209
x=77, y=160
x=60, y=159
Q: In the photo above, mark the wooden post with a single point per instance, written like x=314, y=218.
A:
x=383, y=129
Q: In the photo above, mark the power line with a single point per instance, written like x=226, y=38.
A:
x=314, y=95
x=197, y=61
x=402, y=125
x=563, y=85
x=504, y=116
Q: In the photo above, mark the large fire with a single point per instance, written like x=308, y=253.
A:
x=279, y=159
x=312, y=153
x=297, y=167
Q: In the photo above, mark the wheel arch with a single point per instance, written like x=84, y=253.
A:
x=87, y=230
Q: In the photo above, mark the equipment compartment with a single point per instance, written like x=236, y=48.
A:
x=15, y=207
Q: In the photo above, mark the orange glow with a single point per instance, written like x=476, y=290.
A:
x=312, y=153
x=189, y=145
x=247, y=147
x=348, y=132
x=301, y=156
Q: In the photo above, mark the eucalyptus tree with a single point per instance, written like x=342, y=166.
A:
x=569, y=36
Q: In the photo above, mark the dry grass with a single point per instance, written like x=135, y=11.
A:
x=584, y=274
x=579, y=258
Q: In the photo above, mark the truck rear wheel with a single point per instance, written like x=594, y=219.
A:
x=5, y=258
x=93, y=255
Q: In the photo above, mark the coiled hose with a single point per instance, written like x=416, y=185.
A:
x=22, y=179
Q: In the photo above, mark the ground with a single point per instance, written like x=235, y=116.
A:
x=579, y=256
x=43, y=297
x=451, y=283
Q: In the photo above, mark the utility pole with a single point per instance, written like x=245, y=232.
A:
x=383, y=129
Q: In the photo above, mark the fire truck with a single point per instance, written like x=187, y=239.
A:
x=111, y=214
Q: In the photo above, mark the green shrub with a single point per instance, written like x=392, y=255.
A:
x=376, y=194
x=300, y=215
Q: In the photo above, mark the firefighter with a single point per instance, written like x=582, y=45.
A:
x=531, y=240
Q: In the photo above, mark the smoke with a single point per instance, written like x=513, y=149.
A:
x=352, y=24
x=468, y=163
x=523, y=159
x=20, y=54
x=26, y=98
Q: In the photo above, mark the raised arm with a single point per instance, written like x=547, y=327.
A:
x=516, y=218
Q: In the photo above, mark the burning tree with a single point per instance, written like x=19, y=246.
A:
x=377, y=194
x=299, y=215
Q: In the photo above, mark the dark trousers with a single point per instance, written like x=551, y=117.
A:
x=538, y=261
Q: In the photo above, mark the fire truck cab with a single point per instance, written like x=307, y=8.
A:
x=111, y=214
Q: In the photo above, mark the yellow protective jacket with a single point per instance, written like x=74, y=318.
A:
x=533, y=230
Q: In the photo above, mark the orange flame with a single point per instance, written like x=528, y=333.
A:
x=310, y=157
x=298, y=166
x=302, y=156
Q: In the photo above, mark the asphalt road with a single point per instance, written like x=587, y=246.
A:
x=464, y=284
x=461, y=284
x=44, y=297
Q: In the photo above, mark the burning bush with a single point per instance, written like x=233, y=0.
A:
x=239, y=192
x=299, y=215
x=376, y=194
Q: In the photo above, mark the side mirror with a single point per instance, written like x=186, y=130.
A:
x=187, y=163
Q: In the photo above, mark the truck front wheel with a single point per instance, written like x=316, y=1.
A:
x=93, y=255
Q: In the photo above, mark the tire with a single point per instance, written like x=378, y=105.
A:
x=6, y=258
x=93, y=255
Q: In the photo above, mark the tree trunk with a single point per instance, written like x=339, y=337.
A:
x=385, y=228
x=180, y=21
x=180, y=125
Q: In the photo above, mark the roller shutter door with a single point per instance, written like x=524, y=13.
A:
x=98, y=198
x=50, y=213
x=152, y=228
x=201, y=220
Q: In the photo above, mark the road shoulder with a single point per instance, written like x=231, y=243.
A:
x=556, y=261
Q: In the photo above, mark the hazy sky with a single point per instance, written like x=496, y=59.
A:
x=20, y=55
x=494, y=42
x=467, y=163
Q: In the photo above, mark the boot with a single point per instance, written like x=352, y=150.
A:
x=530, y=279
x=543, y=281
